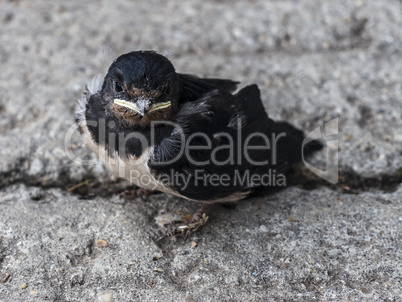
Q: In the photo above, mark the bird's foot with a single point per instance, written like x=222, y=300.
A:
x=135, y=193
x=186, y=227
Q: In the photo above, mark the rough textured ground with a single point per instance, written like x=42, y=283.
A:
x=313, y=60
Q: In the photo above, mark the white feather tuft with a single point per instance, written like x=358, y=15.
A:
x=81, y=108
x=95, y=85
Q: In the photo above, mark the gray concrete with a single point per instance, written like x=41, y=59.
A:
x=313, y=60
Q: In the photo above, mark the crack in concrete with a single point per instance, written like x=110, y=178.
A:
x=350, y=182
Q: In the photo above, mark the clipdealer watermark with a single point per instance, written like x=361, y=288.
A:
x=201, y=178
x=237, y=148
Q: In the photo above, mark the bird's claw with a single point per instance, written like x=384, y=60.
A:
x=185, y=227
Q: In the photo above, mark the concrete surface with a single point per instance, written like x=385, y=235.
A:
x=313, y=60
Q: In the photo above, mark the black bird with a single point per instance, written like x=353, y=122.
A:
x=188, y=136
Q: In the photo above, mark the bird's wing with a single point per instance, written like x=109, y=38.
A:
x=239, y=116
x=193, y=87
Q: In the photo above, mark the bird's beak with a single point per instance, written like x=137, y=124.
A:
x=129, y=105
x=142, y=106
x=159, y=106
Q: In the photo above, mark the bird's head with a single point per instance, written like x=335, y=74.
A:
x=141, y=87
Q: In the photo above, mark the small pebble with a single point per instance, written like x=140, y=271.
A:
x=101, y=243
x=106, y=297
x=349, y=137
x=5, y=279
x=24, y=286
x=158, y=270
x=194, y=244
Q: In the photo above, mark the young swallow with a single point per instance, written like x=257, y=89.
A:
x=184, y=135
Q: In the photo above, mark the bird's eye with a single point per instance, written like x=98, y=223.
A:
x=118, y=87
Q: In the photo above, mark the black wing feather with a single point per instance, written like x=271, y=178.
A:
x=193, y=87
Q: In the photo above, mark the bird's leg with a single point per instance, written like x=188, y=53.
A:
x=135, y=193
x=187, y=226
